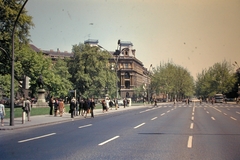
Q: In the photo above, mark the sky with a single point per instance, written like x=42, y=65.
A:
x=191, y=33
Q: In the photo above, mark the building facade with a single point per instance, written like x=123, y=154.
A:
x=130, y=71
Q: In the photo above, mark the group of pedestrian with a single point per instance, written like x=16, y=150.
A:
x=109, y=103
x=56, y=105
x=77, y=107
x=82, y=107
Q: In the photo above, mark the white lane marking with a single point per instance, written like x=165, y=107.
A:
x=88, y=125
x=162, y=114
x=192, y=118
x=191, y=126
x=30, y=139
x=225, y=114
x=193, y=114
x=100, y=144
x=207, y=112
x=189, y=144
x=154, y=118
x=168, y=111
x=139, y=125
x=238, y=112
x=213, y=118
x=233, y=118
x=193, y=109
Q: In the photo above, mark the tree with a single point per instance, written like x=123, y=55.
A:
x=8, y=13
x=219, y=78
x=173, y=80
x=91, y=72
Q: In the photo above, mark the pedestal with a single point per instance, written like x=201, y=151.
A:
x=41, y=101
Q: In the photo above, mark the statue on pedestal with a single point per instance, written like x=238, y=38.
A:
x=40, y=82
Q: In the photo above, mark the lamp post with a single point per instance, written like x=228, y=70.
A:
x=116, y=56
x=148, y=74
x=12, y=73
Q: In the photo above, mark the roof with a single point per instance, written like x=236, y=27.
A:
x=91, y=41
x=126, y=43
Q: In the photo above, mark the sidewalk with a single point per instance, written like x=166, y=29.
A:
x=50, y=119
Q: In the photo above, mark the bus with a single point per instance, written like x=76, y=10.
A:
x=219, y=98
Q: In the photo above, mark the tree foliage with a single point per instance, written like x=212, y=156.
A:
x=90, y=71
x=8, y=13
x=173, y=80
x=219, y=78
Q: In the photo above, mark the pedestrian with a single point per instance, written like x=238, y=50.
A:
x=116, y=104
x=50, y=104
x=81, y=110
x=155, y=102
x=72, y=107
x=124, y=102
x=92, y=106
x=61, y=107
x=77, y=108
x=86, y=107
x=55, y=107
x=110, y=104
x=2, y=112
x=27, y=107
x=128, y=102
x=107, y=103
x=104, y=105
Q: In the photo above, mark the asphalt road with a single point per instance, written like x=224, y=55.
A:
x=166, y=132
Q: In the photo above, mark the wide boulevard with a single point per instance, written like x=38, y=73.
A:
x=166, y=132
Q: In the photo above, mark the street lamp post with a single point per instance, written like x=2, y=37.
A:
x=116, y=56
x=148, y=74
x=12, y=73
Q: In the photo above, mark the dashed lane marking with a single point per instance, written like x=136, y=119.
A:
x=100, y=144
x=88, y=125
x=154, y=118
x=190, y=139
x=139, y=125
x=233, y=118
x=162, y=114
x=191, y=126
x=34, y=138
x=213, y=118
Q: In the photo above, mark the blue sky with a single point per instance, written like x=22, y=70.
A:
x=191, y=33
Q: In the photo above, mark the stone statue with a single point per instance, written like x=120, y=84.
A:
x=40, y=82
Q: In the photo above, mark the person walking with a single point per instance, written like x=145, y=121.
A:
x=77, y=108
x=116, y=104
x=124, y=102
x=86, y=107
x=2, y=112
x=92, y=106
x=27, y=107
x=55, y=107
x=50, y=104
x=81, y=107
x=110, y=103
x=72, y=107
x=61, y=107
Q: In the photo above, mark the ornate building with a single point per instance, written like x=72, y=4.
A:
x=129, y=69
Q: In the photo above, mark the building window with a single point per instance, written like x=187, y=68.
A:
x=127, y=75
x=127, y=84
x=126, y=65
